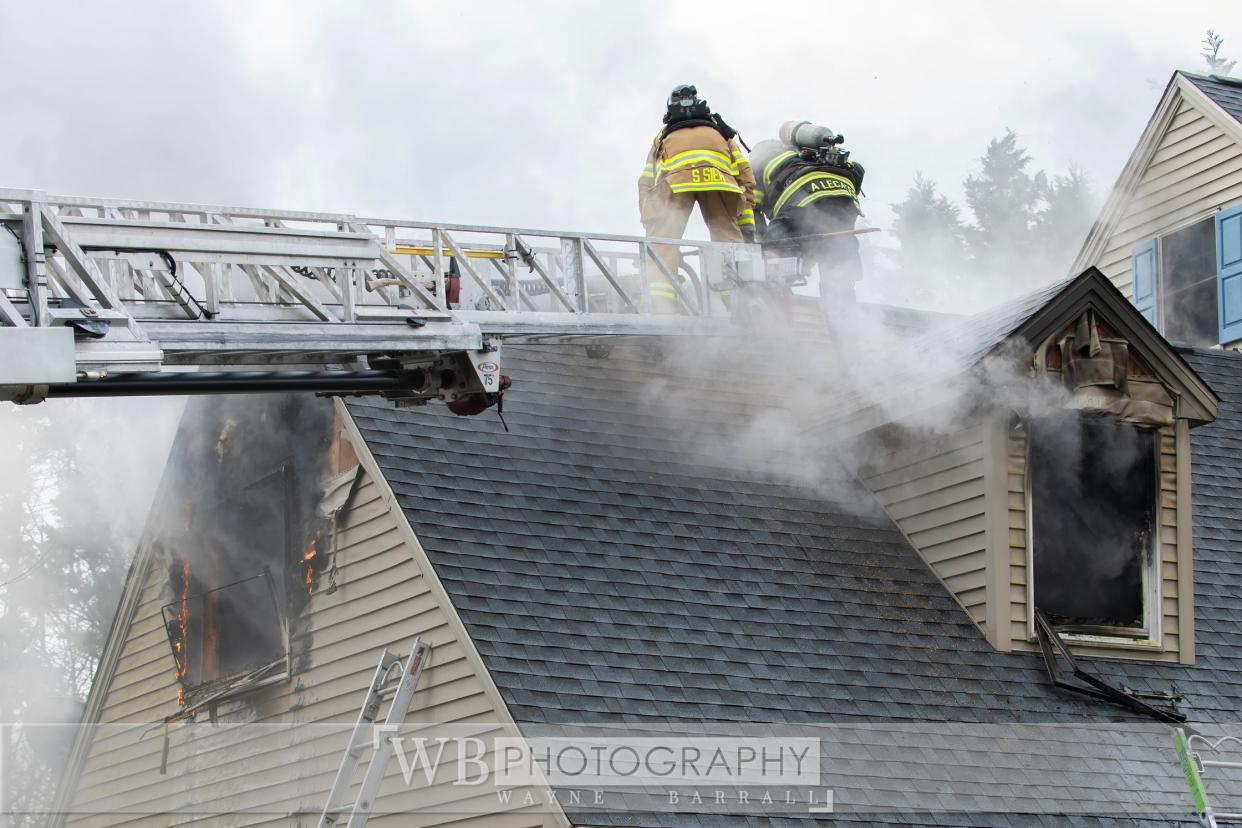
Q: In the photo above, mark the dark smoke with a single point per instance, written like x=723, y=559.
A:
x=1093, y=483
x=240, y=510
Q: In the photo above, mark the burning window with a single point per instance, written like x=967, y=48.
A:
x=1093, y=504
x=236, y=570
x=243, y=539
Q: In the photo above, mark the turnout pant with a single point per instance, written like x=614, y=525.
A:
x=720, y=211
x=836, y=258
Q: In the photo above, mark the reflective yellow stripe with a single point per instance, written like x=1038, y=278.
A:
x=663, y=290
x=758, y=198
x=747, y=216
x=793, y=188
x=823, y=194
x=689, y=157
x=648, y=171
x=720, y=155
x=703, y=188
x=774, y=163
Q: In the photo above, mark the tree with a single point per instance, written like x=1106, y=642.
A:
x=68, y=537
x=1004, y=199
x=1026, y=229
x=929, y=227
x=1069, y=206
x=1211, y=54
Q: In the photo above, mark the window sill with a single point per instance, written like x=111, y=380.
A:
x=241, y=685
x=1112, y=642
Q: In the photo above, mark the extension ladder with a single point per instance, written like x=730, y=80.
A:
x=96, y=290
x=1194, y=765
x=367, y=734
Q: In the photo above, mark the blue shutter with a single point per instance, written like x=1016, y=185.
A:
x=1143, y=268
x=1229, y=273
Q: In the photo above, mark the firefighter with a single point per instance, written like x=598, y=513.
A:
x=808, y=187
x=694, y=159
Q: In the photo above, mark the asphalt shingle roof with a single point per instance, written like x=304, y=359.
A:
x=606, y=572
x=1225, y=92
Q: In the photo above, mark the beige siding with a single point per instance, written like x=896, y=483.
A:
x=1196, y=169
x=1167, y=569
x=384, y=599
x=935, y=491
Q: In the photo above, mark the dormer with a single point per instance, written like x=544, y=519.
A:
x=1064, y=479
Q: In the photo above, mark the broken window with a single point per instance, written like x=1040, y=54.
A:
x=1093, y=504
x=234, y=571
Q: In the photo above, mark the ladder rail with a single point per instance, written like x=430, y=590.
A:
x=1190, y=749
x=366, y=733
x=149, y=285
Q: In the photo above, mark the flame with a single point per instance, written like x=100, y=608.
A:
x=308, y=558
x=180, y=657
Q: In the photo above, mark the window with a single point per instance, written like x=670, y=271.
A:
x=1189, y=282
x=234, y=572
x=1092, y=488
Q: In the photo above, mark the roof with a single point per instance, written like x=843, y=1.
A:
x=608, y=569
x=1224, y=92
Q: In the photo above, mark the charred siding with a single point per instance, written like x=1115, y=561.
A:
x=1019, y=611
x=384, y=599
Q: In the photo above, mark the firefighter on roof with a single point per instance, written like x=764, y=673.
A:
x=694, y=159
x=807, y=195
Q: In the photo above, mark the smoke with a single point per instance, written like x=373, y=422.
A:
x=808, y=397
x=235, y=530
x=77, y=478
x=1092, y=549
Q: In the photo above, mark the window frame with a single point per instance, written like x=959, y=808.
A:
x=1151, y=635
x=1154, y=243
x=227, y=687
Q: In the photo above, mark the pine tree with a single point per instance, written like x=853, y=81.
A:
x=929, y=229
x=1217, y=65
x=1069, y=208
x=1004, y=199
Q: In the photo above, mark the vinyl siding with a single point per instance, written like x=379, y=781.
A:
x=1168, y=566
x=384, y=599
x=934, y=489
x=1196, y=169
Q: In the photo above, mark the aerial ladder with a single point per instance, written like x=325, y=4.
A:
x=115, y=297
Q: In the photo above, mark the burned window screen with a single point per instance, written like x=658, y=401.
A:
x=1093, y=503
x=1188, y=284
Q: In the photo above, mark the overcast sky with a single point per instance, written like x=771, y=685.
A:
x=540, y=113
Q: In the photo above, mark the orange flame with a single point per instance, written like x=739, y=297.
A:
x=180, y=656
x=308, y=558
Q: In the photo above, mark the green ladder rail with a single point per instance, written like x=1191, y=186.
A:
x=1190, y=749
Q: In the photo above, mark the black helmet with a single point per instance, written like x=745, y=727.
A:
x=683, y=95
x=684, y=104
